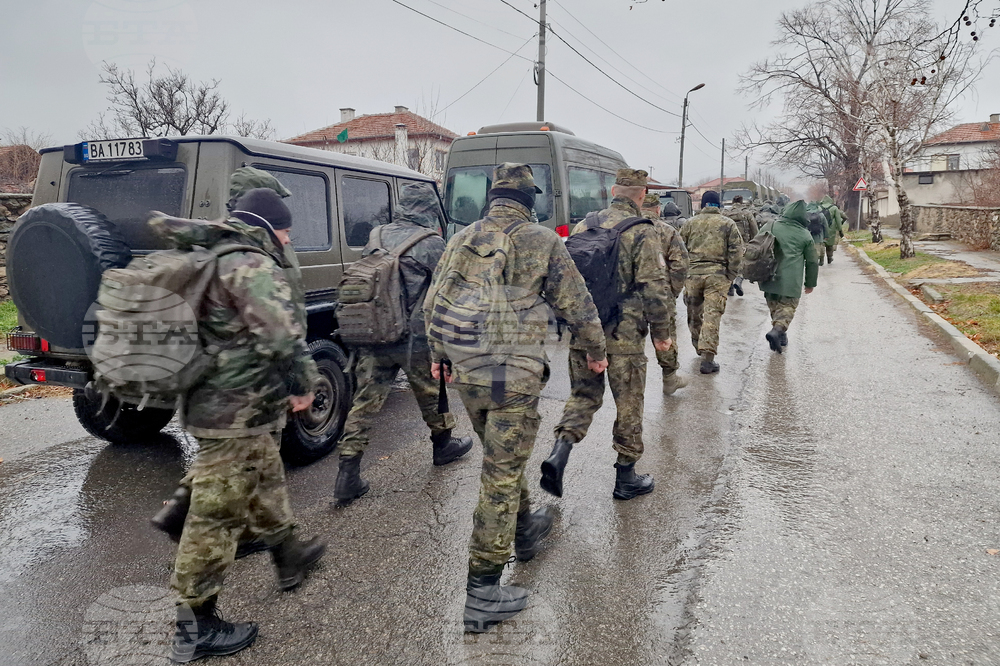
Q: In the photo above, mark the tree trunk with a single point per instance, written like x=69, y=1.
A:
x=906, y=222
x=874, y=222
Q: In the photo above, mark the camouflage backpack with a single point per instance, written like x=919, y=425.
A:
x=147, y=348
x=372, y=304
x=475, y=316
x=759, y=263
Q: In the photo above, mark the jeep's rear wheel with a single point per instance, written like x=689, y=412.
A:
x=313, y=433
x=130, y=426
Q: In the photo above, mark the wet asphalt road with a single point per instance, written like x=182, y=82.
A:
x=832, y=505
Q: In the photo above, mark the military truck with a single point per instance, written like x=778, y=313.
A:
x=575, y=175
x=55, y=262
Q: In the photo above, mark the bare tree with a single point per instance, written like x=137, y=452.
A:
x=19, y=156
x=165, y=104
x=907, y=106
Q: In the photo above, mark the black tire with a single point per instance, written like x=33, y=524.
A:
x=130, y=426
x=55, y=258
x=312, y=434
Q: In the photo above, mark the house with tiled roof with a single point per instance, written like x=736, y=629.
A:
x=960, y=148
x=401, y=137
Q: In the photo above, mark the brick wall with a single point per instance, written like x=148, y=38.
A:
x=978, y=227
x=11, y=207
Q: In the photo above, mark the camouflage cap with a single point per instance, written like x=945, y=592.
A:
x=514, y=176
x=245, y=179
x=652, y=200
x=631, y=177
x=418, y=204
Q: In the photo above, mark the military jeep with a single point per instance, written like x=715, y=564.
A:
x=55, y=260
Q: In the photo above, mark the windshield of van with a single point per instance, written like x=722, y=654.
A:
x=465, y=192
x=126, y=193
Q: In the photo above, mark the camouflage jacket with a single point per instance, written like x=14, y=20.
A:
x=541, y=266
x=744, y=220
x=713, y=243
x=249, y=305
x=674, y=253
x=648, y=304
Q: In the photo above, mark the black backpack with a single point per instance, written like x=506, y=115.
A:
x=595, y=253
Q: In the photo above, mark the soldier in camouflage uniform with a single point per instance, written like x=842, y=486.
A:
x=676, y=257
x=672, y=215
x=502, y=400
x=237, y=412
x=377, y=367
x=647, y=307
x=819, y=228
x=835, y=230
x=741, y=214
x=715, y=250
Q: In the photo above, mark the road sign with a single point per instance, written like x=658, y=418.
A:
x=861, y=185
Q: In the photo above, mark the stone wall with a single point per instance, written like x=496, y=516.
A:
x=978, y=227
x=11, y=207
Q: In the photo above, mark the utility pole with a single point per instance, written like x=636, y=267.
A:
x=746, y=168
x=684, y=122
x=722, y=173
x=540, y=65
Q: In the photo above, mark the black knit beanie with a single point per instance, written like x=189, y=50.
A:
x=265, y=203
x=709, y=198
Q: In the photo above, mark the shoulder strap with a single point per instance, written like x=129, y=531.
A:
x=220, y=250
x=593, y=219
x=511, y=228
x=628, y=223
x=408, y=244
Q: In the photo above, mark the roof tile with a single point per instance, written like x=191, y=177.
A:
x=374, y=126
x=967, y=133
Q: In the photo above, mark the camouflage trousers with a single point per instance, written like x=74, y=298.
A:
x=376, y=369
x=507, y=430
x=627, y=375
x=782, y=310
x=821, y=251
x=668, y=359
x=237, y=485
x=830, y=247
x=705, y=298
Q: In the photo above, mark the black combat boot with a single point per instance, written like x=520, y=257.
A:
x=554, y=466
x=738, y=286
x=708, y=364
x=350, y=486
x=628, y=484
x=201, y=632
x=732, y=291
x=449, y=449
x=532, y=527
x=774, y=339
x=784, y=338
x=487, y=603
x=293, y=558
x=170, y=519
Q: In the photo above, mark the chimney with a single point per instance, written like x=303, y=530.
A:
x=402, y=145
x=995, y=117
x=346, y=115
x=401, y=109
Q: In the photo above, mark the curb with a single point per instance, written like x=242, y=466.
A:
x=983, y=363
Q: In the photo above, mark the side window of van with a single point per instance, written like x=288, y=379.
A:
x=366, y=205
x=589, y=190
x=310, y=206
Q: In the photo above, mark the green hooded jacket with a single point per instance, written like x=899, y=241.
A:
x=835, y=231
x=794, y=251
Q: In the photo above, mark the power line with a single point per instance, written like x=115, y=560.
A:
x=451, y=27
x=594, y=65
x=488, y=25
x=519, y=84
x=630, y=122
x=481, y=81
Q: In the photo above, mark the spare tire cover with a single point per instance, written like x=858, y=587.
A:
x=55, y=258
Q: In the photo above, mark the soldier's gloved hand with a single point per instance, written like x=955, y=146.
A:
x=597, y=367
x=301, y=402
x=436, y=372
x=663, y=345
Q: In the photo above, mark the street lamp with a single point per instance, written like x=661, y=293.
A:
x=684, y=122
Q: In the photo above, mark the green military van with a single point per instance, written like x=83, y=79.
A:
x=54, y=265
x=575, y=175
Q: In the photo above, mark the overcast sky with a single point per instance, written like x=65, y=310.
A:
x=298, y=62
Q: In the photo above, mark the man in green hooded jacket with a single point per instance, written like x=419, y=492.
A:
x=795, y=254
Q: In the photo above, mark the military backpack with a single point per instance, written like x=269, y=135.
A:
x=595, y=253
x=146, y=348
x=372, y=300
x=759, y=263
x=476, y=316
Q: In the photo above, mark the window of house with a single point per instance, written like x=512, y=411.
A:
x=310, y=206
x=953, y=162
x=925, y=179
x=589, y=190
x=365, y=205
